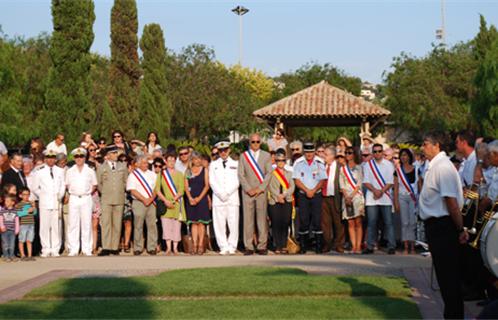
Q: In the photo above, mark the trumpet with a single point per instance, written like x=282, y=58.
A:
x=485, y=219
x=470, y=197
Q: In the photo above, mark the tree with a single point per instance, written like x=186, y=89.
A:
x=68, y=107
x=155, y=106
x=125, y=70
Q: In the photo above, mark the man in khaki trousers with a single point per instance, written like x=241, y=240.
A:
x=254, y=173
x=111, y=177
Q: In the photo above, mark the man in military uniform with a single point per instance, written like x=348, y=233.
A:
x=309, y=175
x=224, y=182
x=49, y=187
x=111, y=177
x=254, y=168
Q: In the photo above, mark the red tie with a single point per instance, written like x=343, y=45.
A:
x=324, y=188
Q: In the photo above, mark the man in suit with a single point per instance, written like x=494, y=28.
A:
x=331, y=205
x=254, y=169
x=111, y=177
x=15, y=175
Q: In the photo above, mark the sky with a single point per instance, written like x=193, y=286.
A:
x=359, y=37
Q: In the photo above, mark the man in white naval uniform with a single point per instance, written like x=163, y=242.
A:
x=224, y=182
x=81, y=182
x=49, y=187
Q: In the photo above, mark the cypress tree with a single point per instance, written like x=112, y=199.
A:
x=68, y=107
x=155, y=106
x=125, y=69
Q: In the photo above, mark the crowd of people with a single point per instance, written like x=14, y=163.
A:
x=141, y=197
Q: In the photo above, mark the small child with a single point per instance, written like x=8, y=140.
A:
x=9, y=227
x=26, y=214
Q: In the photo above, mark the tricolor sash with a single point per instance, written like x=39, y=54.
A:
x=350, y=178
x=404, y=181
x=254, y=166
x=145, y=185
x=378, y=176
x=285, y=185
x=171, y=186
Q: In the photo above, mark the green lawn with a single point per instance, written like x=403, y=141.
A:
x=237, y=292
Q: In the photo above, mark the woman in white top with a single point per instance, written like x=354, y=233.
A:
x=152, y=142
x=278, y=141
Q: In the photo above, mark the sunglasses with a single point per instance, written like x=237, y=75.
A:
x=295, y=149
x=79, y=156
x=396, y=158
x=223, y=150
x=365, y=155
x=279, y=160
x=101, y=142
x=91, y=150
x=116, y=136
x=158, y=166
x=255, y=142
x=214, y=154
x=183, y=154
x=377, y=151
x=349, y=152
x=340, y=156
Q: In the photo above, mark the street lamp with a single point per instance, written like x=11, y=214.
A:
x=240, y=11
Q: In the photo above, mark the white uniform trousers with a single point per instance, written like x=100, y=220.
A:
x=50, y=231
x=80, y=218
x=223, y=215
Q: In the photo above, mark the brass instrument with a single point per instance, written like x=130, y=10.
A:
x=485, y=219
x=470, y=197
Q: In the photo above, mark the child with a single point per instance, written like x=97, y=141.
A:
x=26, y=214
x=9, y=227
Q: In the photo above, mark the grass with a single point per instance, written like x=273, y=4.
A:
x=221, y=293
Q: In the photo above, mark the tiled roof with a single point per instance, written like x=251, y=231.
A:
x=321, y=101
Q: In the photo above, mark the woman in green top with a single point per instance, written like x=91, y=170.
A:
x=172, y=195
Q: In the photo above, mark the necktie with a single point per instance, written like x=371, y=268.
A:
x=22, y=178
x=51, y=172
x=324, y=189
x=112, y=166
x=224, y=164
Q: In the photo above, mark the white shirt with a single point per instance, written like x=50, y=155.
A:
x=331, y=178
x=80, y=183
x=134, y=184
x=386, y=169
x=441, y=180
x=57, y=149
x=151, y=149
x=49, y=188
x=180, y=166
x=224, y=182
x=491, y=175
x=467, y=170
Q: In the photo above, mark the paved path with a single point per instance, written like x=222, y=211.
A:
x=16, y=279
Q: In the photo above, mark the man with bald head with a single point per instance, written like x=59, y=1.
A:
x=254, y=171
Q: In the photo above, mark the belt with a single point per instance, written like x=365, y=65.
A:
x=328, y=196
x=79, y=196
x=436, y=219
x=317, y=193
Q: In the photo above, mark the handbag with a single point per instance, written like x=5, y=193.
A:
x=292, y=245
x=187, y=242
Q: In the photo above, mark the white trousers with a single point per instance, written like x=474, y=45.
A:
x=223, y=215
x=80, y=219
x=50, y=231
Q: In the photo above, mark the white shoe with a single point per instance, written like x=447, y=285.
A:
x=224, y=252
x=72, y=254
x=232, y=252
x=56, y=255
x=88, y=254
x=44, y=255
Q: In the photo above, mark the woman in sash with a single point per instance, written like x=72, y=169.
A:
x=405, y=198
x=353, y=203
x=196, y=189
x=170, y=189
x=281, y=188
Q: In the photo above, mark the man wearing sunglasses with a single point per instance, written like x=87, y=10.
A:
x=378, y=180
x=254, y=169
x=81, y=182
x=57, y=145
x=182, y=161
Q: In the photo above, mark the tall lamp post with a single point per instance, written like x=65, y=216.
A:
x=240, y=11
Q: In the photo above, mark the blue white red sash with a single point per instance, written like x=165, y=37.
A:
x=254, y=166
x=171, y=186
x=350, y=178
x=404, y=181
x=145, y=185
x=378, y=176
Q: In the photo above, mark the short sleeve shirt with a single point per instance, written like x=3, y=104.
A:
x=80, y=183
x=441, y=180
x=386, y=169
x=309, y=174
x=139, y=180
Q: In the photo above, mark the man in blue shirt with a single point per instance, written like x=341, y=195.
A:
x=309, y=175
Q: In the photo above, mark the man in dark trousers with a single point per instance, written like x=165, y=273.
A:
x=14, y=175
x=440, y=206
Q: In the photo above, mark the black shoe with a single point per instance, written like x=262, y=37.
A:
x=263, y=252
x=248, y=252
x=391, y=251
x=152, y=252
x=115, y=252
x=104, y=253
x=137, y=253
x=367, y=251
x=318, y=243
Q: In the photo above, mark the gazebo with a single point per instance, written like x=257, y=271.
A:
x=322, y=105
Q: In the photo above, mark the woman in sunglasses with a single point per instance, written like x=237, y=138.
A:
x=353, y=203
x=119, y=141
x=278, y=141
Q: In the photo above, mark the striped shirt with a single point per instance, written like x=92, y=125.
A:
x=25, y=217
x=9, y=218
